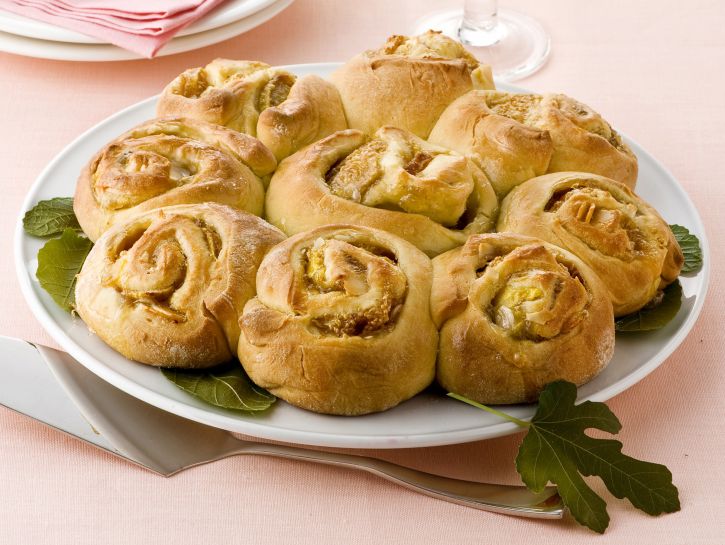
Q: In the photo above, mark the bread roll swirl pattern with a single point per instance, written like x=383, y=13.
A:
x=284, y=112
x=436, y=45
x=227, y=92
x=514, y=314
x=606, y=225
x=352, y=291
x=517, y=136
x=341, y=321
x=395, y=181
x=166, y=288
x=585, y=141
x=408, y=82
x=171, y=161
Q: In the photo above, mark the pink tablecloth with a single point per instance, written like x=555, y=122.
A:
x=655, y=69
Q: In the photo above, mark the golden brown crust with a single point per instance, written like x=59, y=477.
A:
x=584, y=141
x=341, y=321
x=516, y=313
x=166, y=288
x=518, y=136
x=508, y=152
x=428, y=195
x=617, y=234
x=284, y=112
x=312, y=111
x=407, y=83
x=226, y=92
x=170, y=161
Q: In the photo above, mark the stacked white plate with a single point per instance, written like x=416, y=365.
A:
x=25, y=36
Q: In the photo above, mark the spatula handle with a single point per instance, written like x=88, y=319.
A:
x=511, y=500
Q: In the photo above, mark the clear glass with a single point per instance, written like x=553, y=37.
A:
x=514, y=44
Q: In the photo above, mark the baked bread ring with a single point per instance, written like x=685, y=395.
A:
x=341, y=321
x=622, y=238
x=516, y=313
x=518, y=136
x=408, y=82
x=171, y=161
x=251, y=97
x=167, y=287
x=428, y=195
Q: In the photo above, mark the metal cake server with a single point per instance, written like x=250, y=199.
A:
x=52, y=387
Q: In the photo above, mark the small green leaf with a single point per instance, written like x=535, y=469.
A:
x=539, y=461
x=59, y=262
x=51, y=217
x=226, y=386
x=691, y=249
x=653, y=316
x=556, y=449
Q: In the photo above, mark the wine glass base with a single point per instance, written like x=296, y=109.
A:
x=516, y=47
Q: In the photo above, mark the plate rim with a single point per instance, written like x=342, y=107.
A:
x=222, y=15
x=267, y=431
x=77, y=52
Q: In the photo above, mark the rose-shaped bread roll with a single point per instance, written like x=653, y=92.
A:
x=167, y=287
x=606, y=225
x=311, y=111
x=341, y=321
x=171, y=161
x=516, y=313
x=408, y=82
x=518, y=136
x=284, y=112
x=426, y=194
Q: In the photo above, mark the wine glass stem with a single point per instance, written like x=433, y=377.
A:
x=480, y=25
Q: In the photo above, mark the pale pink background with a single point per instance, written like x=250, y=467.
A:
x=655, y=68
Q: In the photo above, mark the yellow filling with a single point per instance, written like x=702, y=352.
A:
x=509, y=311
x=351, y=290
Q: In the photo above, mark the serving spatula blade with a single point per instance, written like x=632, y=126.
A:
x=68, y=397
x=29, y=387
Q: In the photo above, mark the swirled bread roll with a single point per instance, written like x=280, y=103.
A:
x=251, y=97
x=519, y=136
x=408, y=82
x=516, y=313
x=312, y=111
x=226, y=92
x=395, y=181
x=167, y=287
x=171, y=161
x=622, y=238
x=341, y=322
x=508, y=152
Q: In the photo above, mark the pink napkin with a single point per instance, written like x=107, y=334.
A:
x=141, y=26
